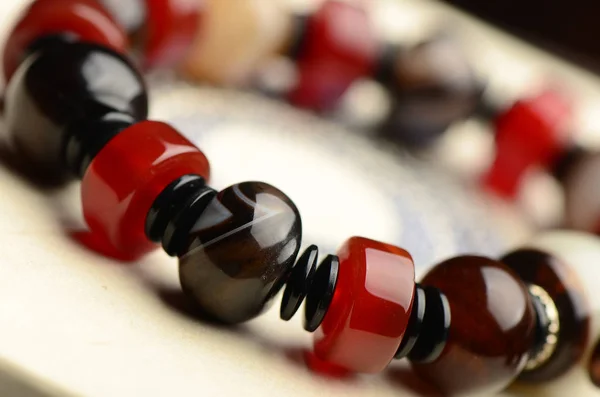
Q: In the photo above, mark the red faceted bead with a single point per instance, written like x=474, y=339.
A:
x=127, y=175
x=531, y=133
x=339, y=47
x=171, y=28
x=371, y=306
x=84, y=18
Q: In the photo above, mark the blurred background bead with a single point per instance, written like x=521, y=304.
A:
x=339, y=47
x=170, y=29
x=432, y=86
x=240, y=251
x=235, y=38
x=85, y=19
x=88, y=81
x=492, y=327
x=582, y=192
x=530, y=134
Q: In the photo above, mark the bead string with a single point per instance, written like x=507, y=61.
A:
x=144, y=183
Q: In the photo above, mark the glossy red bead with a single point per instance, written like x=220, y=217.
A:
x=531, y=133
x=170, y=30
x=128, y=174
x=84, y=18
x=370, y=309
x=339, y=47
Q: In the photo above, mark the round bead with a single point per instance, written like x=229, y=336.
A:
x=582, y=193
x=84, y=18
x=339, y=48
x=240, y=251
x=235, y=38
x=432, y=86
x=581, y=253
x=126, y=177
x=88, y=81
x=370, y=309
x=562, y=285
x=492, y=326
x=171, y=27
x=531, y=133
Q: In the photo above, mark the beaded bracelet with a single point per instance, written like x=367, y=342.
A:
x=80, y=108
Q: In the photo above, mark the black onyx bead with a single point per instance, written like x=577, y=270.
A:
x=172, y=201
x=299, y=282
x=240, y=250
x=321, y=292
x=60, y=85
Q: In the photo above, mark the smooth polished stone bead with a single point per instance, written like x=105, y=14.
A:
x=562, y=285
x=530, y=134
x=128, y=174
x=85, y=19
x=87, y=82
x=171, y=26
x=339, y=48
x=580, y=252
x=236, y=36
x=240, y=251
x=432, y=87
x=492, y=330
x=369, y=313
x=578, y=174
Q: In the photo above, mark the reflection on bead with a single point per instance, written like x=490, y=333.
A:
x=126, y=177
x=240, y=250
x=492, y=329
x=84, y=18
x=371, y=306
x=88, y=81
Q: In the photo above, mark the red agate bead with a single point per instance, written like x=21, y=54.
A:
x=86, y=19
x=339, y=47
x=531, y=133
x=171, y=29
x=370, y=309
x=123, y=180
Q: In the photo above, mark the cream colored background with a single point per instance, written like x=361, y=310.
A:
x=75, y=323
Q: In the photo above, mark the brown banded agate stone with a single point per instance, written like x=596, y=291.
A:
x=492, y=327
x=240, y=251
x=561, y=283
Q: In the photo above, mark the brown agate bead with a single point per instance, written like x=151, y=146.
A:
x=554, y=276
x=432, y=86
x=492, y=326
x=240, y=251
